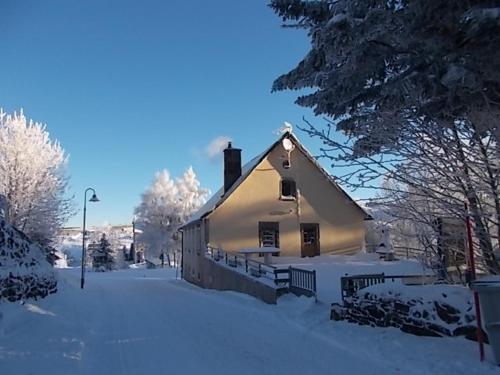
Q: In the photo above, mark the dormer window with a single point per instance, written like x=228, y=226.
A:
x=288, y=189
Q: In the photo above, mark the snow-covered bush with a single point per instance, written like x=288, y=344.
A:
x=24, y=270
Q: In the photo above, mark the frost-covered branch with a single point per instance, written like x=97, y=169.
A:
x=33, y=178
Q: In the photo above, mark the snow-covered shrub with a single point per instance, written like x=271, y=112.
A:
x=24, y=270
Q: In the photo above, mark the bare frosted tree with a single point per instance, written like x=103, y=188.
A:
x=165, y=206
x=33, y=178
x=431, y=173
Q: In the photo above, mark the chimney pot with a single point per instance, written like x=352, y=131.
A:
x=232, y=166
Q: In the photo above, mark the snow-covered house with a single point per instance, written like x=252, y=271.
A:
x=282, y=198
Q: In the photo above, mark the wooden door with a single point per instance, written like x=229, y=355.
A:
x=309, y=234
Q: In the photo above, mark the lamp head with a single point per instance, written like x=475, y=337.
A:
x=94, y=198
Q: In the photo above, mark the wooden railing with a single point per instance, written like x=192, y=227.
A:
x=251, y=266
x=295, y=280
x=302, y=282
x=349, y=285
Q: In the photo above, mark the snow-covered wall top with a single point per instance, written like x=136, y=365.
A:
x=427, y=297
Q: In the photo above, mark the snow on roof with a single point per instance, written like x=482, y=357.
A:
x=219, y=197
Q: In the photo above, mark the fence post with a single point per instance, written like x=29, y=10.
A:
x=314, y=286
x=246, y=265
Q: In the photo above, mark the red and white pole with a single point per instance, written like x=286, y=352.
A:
x=472, y=273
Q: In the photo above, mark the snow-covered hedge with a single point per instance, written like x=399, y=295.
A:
x=427, y=310
x=24, y=270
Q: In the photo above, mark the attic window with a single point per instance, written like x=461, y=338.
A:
x=288, y=189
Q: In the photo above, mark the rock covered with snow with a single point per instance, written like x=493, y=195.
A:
x=424, y=310
x=24, y=270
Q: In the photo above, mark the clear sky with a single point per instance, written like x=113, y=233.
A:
x=132, y=87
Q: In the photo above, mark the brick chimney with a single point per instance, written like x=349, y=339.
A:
x=232, y=166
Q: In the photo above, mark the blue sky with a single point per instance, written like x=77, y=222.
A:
x=132, y=87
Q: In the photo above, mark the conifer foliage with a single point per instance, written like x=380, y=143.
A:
x=375, y=63
x=102, y=255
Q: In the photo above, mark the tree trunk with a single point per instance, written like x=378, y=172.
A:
x=480, y=229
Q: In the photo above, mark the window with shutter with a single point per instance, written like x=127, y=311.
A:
x=269, y=234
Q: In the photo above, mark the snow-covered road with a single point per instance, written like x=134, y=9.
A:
x=146, y=322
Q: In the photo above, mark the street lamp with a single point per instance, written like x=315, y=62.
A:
x=92, y=199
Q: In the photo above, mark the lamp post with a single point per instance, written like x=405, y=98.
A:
x=132, y=253
x=92, y=199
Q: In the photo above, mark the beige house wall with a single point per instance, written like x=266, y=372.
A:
x=193, y=246
x=234, y=224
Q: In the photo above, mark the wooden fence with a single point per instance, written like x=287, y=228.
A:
x=349, y=285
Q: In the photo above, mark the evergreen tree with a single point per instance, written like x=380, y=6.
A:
x=103, y=255
x=375, y=63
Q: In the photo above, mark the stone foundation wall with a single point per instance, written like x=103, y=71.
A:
x=416, y=316
x=219, y=277
x=16, y=288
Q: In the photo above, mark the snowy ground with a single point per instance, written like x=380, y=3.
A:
x=147, y=322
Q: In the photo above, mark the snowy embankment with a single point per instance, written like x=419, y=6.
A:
x=147, y=322
x=24, y=270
